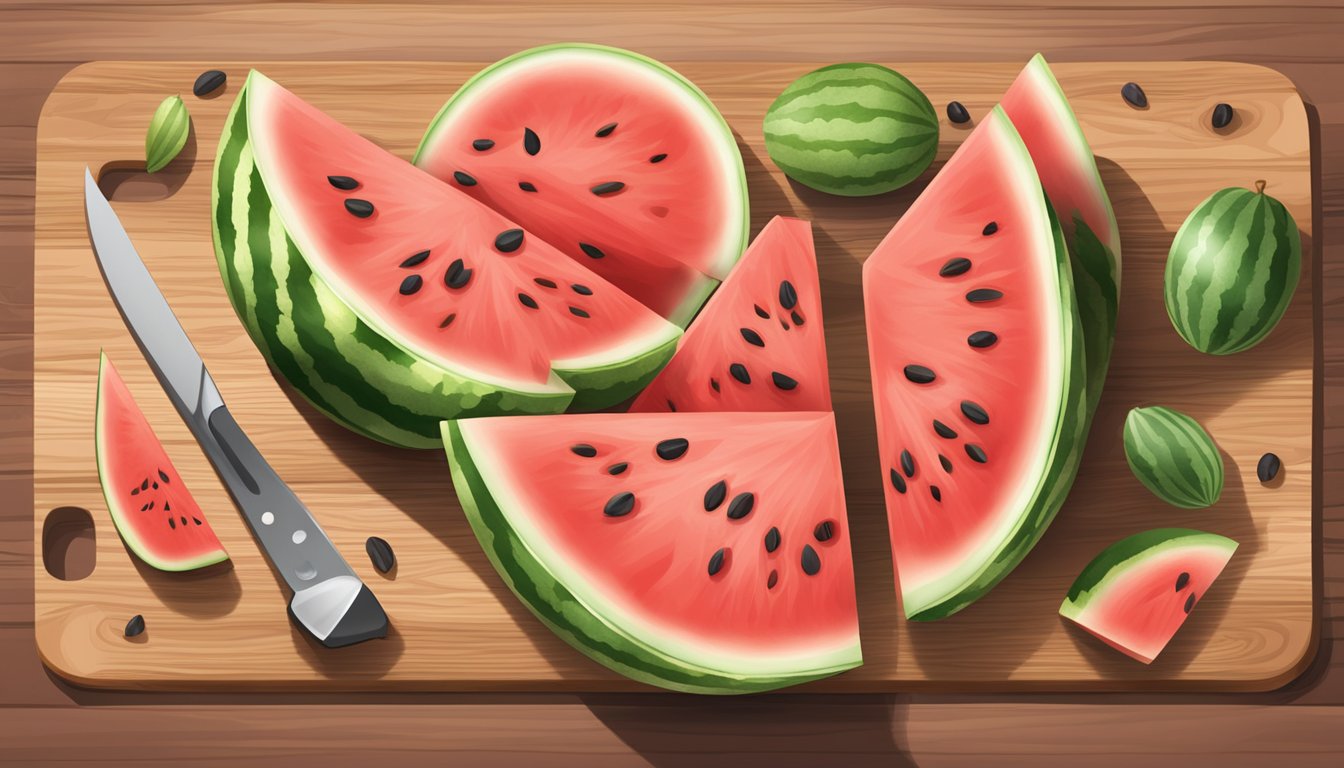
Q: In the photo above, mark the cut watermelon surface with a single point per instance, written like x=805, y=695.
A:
x=699, y=552
x=978, y=373
x=150, y=505
x=1138, y=592
x=609, y=156
x=758, y=345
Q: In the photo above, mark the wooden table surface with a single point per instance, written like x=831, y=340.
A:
x=43, y=721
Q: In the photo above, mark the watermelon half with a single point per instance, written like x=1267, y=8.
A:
x=978, y=372
x=1138, y=592
x=700, y=552
x=391, y=300
x=611, y=157
x=150, y=505
x=758, y=345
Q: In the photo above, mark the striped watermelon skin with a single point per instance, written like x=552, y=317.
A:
x=1173, y=456
x=852, y=130
x=1232, y=270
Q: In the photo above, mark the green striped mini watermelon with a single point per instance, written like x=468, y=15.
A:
x=1232, y=270
x=392, y=301
x=852, y=129
x=1173, y=456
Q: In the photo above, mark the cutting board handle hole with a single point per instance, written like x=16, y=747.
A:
x=127, y=181
x=68, y=543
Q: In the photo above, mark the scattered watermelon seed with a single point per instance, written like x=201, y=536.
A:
x=716, y=561
x=672, y=448
x=172, y=524
x=1182, y=580
x=671, y=406
x=531, y=141
x=811, y=562
x=761, y=313
x=608, y=188
x=946, y=462
x=605, y=130
x=509, y=240
x=919, y=374
x=982, y=339
x=581, y=289
x=943, y=430
x=783, y=324
x=591, y=251
x=620, y=505
x=772, y=580
x=343, y=183
x=481, y=145
x=447, y=321
x=575, y=311
x=380, y=554
x=1268, y=467
x=739, y=372
x=1134, y=95
x=955, y=266
x=1190, y=602
x=772, y=539
x=583, y=449
x=956, y=112
x=974, y=412
x=411, y=284
x=527, y=301
x=465, y=179
x=618, y=468
x=163, y=476
x=415, y=260
x=155, y=485
x=167, y=506
x=208, y=82
x=752, y=337
x=658, y=158
x=135, y=490
x=527, y=186
x=897, y=481
x=135, y=626
x=457, y=275
x=824, y=531
x=797, y=318
x=361, y=208
x=741, y=505
x=980, y=295
x=907, y=463
x=976, y=453
x=713, y=383
x=544, y=283
x=183, y=519
x=196, y=521
x=782, y=381
x=1222, y=115
x=990, y=228
x=144, y=484
x=788, y=296
x=715, y=495
x=935, y=493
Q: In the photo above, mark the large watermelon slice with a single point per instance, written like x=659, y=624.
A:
x=391, y=300
x=758, y=345
x=1137, y=593
x=150, y=505
x=700, y=552
x=609, y=156
x=978, y=373
x=1043, y=118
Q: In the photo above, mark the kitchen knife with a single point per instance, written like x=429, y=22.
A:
x=330, y=602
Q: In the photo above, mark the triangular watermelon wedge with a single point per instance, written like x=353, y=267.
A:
x=758, y=345
x=703, y=552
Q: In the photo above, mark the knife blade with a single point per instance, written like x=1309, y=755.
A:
x=329, y=601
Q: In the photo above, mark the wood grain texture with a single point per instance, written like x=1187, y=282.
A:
x=456, y=626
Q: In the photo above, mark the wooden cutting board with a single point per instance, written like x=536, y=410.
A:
x=455, y=625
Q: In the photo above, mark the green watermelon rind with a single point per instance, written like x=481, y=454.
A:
x=634, y=655
x=1124, y=556
x=1174, y=457
x=121, y=515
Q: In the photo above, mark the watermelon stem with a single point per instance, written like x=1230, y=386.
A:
x=1260, y=187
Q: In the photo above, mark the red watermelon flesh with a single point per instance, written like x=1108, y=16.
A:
x=474, y=293
x=150, y=505
x=763, y=325
x=609, y=156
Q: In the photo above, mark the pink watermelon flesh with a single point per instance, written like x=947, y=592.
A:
x=765, y=318
x=1135, y=601
x=150, y=505
x=539, y=134
x=521, y=310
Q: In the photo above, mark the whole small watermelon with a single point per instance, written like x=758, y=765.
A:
x=852, y=129
x=1232, y=270
x=1174, y=457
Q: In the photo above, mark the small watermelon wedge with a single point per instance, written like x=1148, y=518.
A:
x=702, y=552
x=1138, y=592
x=758, y=345
x=153, y=510
x=978, y=372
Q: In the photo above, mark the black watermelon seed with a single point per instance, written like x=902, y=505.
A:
x=811, y=562
x=946, y=462
x=620, y=505
x=591, y=251
x=163, y=476
x=752, y=337
x=772, y=539
x=481, y=145
x=1182, y=580
x=415, y=259
x=583, y=449
x=824, y=531
x=980, y=295
x=144, y=484
x=380, y=554
x=1268, y=468
x=527, y=186
x=509, y=240
x=618, y=468
x=135, y=490
x=919, y=374
x=167, y=506
x=135, y=626
x=343, y=183
x=1190, y=602
x=935, y=493
x=527, y=301
x=788, y=297
x=1134, y=94
x=581, y=289
x=943, y=430
x=457, y=275
x=772, y=579
x=1222, y=115
x=411, y=284
x=155, y=486
x=608, y=188
x=739, y=372
x=974, y=412
x=658, y=158
x=782, y=381
x=956, y=112
x=982, y=339
x=447, y=321
x=183, y=519
x=990, y=228
x=761, y=313
x=544, y=283
x=575, y=311
x=208, y=82
x=605, y=130
x=954, y=267
x=671, y=406
x=797, y=318
x=361, y=208
x=531, y=141
x=783, y=324
x=672, y=448
x=907, y=463
x=897, y=481
x=196, y=521
x=171, y=522
x=714, y=384
x=465, y=179
x=716, y=561
x=715, y=495
x=976, y=453
x=741, y=505
x=462, y=278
